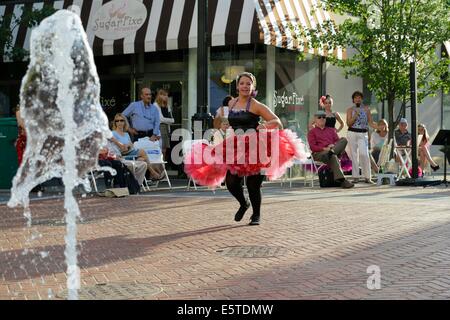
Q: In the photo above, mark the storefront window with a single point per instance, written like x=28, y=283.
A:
x=227, y=62
x=114, y=95
x=295, y=96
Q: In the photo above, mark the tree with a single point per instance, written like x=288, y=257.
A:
x=8, y=23
x=386, y=35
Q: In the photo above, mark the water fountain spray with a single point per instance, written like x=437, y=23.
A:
x=64, y=122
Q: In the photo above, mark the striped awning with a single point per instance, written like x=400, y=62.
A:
x=129, y=26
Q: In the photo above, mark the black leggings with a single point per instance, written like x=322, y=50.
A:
x=234, y=185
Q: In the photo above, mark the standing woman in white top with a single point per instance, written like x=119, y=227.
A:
x=222, y=112
x=359, y=119
x=161, y=103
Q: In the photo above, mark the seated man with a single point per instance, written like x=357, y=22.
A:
x=402, y=138
x=326, y=147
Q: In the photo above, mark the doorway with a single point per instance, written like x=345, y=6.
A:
x=172, y=82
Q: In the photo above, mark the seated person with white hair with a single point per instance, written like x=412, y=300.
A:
x=326, y=146
x=221, y=133
x=402, y=137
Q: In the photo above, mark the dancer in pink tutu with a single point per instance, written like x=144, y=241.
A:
x=253, y=149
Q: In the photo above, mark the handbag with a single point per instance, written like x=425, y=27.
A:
x=391, y=167
x=326, y=178
x=117, y=192
x=124, y=153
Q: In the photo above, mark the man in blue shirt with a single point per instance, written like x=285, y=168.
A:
x=144, y=117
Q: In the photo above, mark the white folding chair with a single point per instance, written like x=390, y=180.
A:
x=383, y=158
x=404, y=155
x=154, y=153
x=95, y=174
x=186, y=147
x=91, y=176
x=309, y=161
x=385, y=154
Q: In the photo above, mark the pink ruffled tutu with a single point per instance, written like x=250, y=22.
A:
x=268, y=152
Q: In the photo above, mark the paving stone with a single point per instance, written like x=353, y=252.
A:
x=312, y=244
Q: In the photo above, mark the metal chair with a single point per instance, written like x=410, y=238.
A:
x=186, y=147
x=154, y=153
x=382, y=160
x=309, y=161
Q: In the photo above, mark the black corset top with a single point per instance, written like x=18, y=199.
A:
x=330, y=122
x=243, y=119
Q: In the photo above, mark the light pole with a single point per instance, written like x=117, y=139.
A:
x=413, y=91
x=202, y=116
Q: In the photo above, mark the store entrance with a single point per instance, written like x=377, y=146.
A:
x=174, y=86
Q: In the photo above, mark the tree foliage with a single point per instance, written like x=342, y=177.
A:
x=386, y=35
x=9, y=23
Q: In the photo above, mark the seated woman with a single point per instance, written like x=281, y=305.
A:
x=379, y=138
x=424, y=149
x=122, y=140
x=221, y=134
x=222, y=112
x=137, y=167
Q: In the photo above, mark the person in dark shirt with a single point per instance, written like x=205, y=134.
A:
x=402, y=136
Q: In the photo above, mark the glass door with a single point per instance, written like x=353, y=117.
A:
x=174, y=86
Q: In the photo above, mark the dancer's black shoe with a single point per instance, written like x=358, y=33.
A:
x=255, y=220
x=240, y=213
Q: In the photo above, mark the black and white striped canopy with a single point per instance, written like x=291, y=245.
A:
x=172, y=24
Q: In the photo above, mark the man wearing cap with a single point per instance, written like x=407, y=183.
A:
x=326, y=146
x=402, y=136
x=144, y=117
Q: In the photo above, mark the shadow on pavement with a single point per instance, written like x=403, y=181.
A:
x=19, y=265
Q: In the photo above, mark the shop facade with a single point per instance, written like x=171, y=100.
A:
x=152, y=43
x=139, y=43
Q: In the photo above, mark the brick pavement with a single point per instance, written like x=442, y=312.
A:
x=173, y=240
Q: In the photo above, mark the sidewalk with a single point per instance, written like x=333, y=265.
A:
x=312, y=244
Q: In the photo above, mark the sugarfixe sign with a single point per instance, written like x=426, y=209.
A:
x=119, y=18
x=289, y=98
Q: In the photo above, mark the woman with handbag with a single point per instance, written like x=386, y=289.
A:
x=122, y=140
